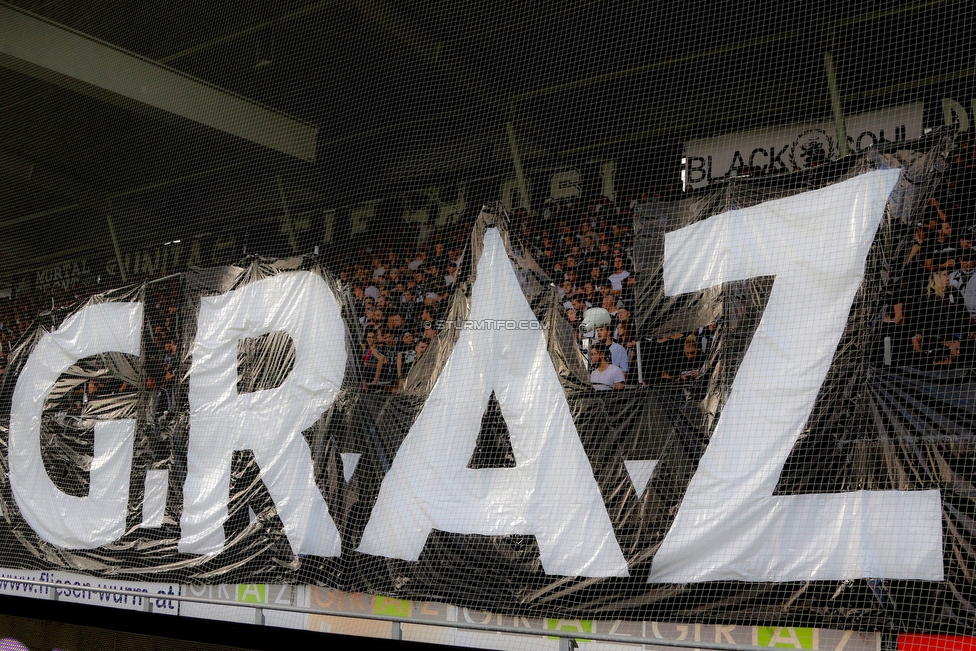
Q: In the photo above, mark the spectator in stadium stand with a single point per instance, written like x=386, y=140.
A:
x=567, y=245
x=621, y=318
x=618, y=354
x=557, y=271
x=410, y=308
x=396, y=296
x=376, y=318
x=410, y=360
x=932, y=217
x=547, y=260
x=624, y=335
x=965, y=241
x=389, y=347
x=406, y=354
x=604, y=376
x=617, y=232
x=430, y=333
x=395, y=324
x=937, y=252
x=619, y=275
x=573, y=316
x=939, y=321
x=681, y=364
x=358, y=296
x=590, y=295
x=629, y=294
x=571, y=276
x=585, y=219
x=372, y=291
x=364, y=274
x=451, y=276
x=570, y=264
x=432, y=305
x=917, y=243
x=578, y=305
x=420, y=281
x=963, y=280
x=596, y=275
x=365, y=321
x=372, y=360
x=379, y=270
x=455, y=254
x=609, y=303
x=587, y=248
x=418, y=261
x=425, y=317
x=566, y=291
x=440, y=258
x=893, y=323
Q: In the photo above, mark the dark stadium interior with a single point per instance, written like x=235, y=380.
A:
x=404, y=93
x=419, y=105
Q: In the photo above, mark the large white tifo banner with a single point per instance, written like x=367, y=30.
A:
x=413, y=518
x=731, y=525
x=795, y=147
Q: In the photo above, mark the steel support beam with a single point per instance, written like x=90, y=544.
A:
x=56, y=54
x=835, y=104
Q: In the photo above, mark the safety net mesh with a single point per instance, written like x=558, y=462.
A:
x=644, y=313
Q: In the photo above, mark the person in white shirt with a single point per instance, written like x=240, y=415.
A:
x=604, y=376
x=619, y=275
x=618, y=354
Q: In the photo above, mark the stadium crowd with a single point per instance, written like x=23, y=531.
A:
x=584, y=246
x=929, y=316
x=400, y=286
x=399, y=298
x=401, y=290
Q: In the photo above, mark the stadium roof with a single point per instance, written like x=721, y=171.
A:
x=186, y=116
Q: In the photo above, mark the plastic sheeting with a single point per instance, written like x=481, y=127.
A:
x=730, y=525
x=496, y=477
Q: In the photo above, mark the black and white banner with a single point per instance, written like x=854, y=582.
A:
x=658, y=499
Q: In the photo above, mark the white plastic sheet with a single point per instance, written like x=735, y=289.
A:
x=269, y=422
x=730, y=525
x=551, y=493
x=61, y=519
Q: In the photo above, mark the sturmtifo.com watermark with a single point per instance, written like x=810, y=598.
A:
x=486, y=324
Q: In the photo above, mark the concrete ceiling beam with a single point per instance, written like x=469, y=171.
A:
x=57, y=54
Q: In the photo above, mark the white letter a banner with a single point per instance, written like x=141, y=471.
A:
x=550, y=493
